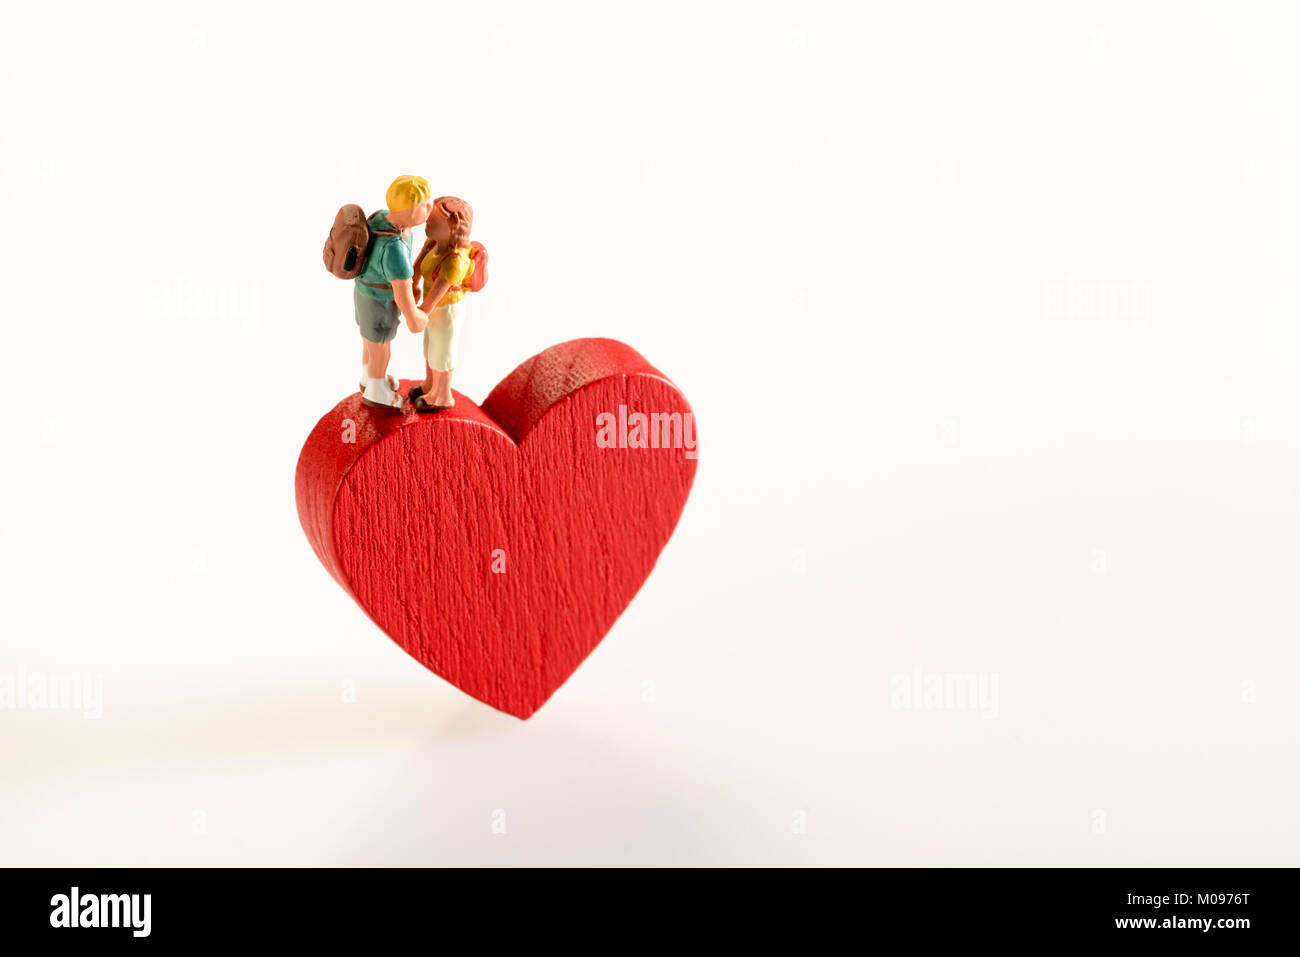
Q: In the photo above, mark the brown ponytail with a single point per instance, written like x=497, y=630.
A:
x=460, y=216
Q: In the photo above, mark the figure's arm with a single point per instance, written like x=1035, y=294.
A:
x=415, y=319
x=452, y=272
x=417, y=268
x=437, y=289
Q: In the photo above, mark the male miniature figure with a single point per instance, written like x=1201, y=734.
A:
x=382, y=292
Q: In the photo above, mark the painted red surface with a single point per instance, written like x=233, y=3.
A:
x=497, y=545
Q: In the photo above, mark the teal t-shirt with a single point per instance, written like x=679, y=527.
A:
x=389, y=258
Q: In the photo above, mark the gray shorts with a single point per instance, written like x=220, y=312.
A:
x=378, y=320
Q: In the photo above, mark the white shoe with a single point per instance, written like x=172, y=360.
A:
x=380, y=393
x=392, y=383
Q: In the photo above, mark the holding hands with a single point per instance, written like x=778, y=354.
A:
x=404, y=295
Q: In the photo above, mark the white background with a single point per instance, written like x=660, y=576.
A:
x=988, y=314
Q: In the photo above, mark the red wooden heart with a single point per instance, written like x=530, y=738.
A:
x=498, y=545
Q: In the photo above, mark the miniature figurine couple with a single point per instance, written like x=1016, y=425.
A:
x=389, y=286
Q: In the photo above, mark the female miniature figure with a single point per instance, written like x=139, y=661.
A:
x=448, y=266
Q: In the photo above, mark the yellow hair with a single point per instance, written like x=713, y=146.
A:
x=407, y=191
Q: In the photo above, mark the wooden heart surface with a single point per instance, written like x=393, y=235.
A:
x=498, y=544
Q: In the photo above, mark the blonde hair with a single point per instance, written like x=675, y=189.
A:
x=407, y=191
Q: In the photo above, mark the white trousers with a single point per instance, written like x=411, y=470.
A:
x=440, y=337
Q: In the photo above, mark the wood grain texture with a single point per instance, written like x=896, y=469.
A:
x=414, y=514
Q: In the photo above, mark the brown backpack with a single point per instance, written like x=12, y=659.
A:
x=349, y=241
